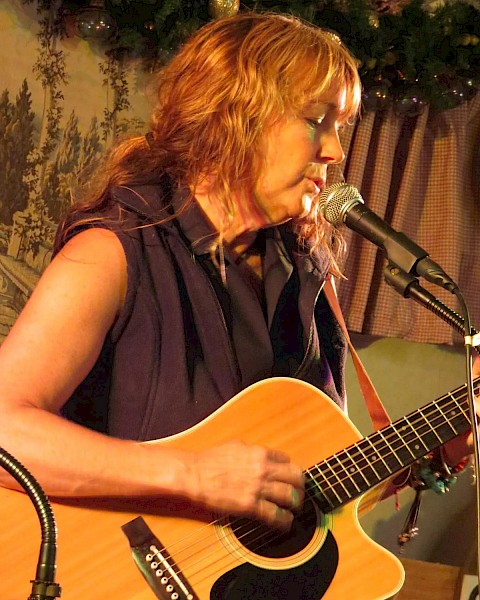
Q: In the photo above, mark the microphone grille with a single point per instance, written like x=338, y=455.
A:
x=336, y=200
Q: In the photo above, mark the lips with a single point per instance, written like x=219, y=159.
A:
x=315, y=186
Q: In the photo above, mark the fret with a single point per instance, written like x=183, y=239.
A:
x=445, y=429
x=313, y=490
x=405, y=434
x=460, y=409
x=337, y=489
x=362, y=472
x=347, y=483
x=410, y=444
x=436, y=414
x=454, y=415
x=355, y=472
x=429, y=435
x=454, y=408
x=381, y=465
x=392, y=458
x=376, y=453
x=325, y=488
x=415, y=447
x=370, y=471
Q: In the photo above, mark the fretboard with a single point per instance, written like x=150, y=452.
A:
x=356, y=469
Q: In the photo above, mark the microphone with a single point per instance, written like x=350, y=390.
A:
x=342, y=203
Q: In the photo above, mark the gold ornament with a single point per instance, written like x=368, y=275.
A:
x=223, y=8
x=373, y=19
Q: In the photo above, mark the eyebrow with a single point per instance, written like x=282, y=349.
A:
x=322, y=106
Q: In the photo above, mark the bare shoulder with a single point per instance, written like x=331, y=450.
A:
x=93, y=245
x=62, y=328
x=91, y=266
x=89, y=274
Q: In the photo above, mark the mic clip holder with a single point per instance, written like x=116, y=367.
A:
x=412, y=259
x=42, y=590
x=408, y=286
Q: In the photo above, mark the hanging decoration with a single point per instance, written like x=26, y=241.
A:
x=95, y=22
x=410, y=53
x=223, y=8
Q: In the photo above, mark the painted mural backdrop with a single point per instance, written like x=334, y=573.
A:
x=62, y=103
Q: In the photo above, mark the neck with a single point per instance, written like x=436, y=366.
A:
x=240, y=232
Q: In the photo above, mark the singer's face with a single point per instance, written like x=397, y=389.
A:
x=298, y=150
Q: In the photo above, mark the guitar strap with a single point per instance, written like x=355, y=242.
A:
x=379, y=418
x=376, y=410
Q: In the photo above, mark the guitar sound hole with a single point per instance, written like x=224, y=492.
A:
x=272, y=543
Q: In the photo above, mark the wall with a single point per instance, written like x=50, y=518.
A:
x=408, y=375
x=61, y=104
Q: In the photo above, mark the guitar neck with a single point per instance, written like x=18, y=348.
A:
x=348, y=474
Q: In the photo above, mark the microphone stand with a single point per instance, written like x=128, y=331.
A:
x=43, y=586
x=408, y=286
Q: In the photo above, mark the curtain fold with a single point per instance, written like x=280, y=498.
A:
x=422, y=175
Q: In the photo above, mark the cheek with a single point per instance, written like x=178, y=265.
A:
x=312, y=134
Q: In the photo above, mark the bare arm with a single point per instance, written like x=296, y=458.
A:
x=52, y=347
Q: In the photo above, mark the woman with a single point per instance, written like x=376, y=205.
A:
x=194, y=270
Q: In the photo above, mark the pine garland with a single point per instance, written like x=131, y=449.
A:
x=408, y=56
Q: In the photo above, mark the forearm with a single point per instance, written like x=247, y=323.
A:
x=69, y=460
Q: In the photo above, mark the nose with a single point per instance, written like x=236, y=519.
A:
x=330, y=149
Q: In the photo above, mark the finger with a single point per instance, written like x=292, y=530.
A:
x=277, y=456
x=287, y=473
x=283, y=494
x=274, y=515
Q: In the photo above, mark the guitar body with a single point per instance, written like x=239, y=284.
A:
x=326, y=557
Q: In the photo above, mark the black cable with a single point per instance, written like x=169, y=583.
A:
x=43, y=586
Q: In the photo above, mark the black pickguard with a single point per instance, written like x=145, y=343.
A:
x=307, y=581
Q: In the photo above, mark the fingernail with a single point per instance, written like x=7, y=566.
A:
x=295, y=498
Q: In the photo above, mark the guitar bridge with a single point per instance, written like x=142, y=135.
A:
x=155, y=563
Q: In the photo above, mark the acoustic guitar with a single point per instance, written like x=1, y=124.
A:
x=142, y=549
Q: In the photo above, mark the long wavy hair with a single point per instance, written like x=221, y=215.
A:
x=216, y=98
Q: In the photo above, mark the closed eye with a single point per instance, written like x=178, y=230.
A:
x=315, y=122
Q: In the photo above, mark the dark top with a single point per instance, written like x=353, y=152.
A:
x=186, y=341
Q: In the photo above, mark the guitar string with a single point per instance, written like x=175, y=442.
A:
x=270, y=536
x=267, y=537
x=266, y=540
x=184, y=539
x=272, y=432
x=375, y=451
x=422, y=419
x=273, y=535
